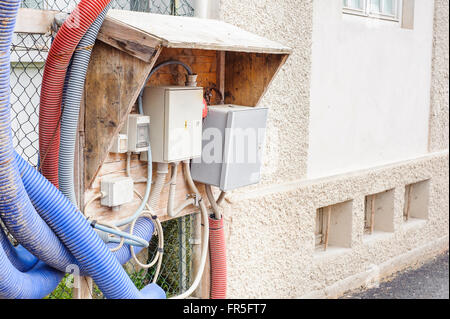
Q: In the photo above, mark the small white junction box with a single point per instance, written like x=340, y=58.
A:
x=176, y=130
x=117, y=190
x=137, y=130
x=120, y=144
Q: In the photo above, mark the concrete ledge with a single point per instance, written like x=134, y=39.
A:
x=268, y=190
x=382, y=271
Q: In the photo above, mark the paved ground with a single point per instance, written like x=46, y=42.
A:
x=429, y=281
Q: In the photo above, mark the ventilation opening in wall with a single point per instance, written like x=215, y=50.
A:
x=334, y=226
x=379, y=213
x=416, y=201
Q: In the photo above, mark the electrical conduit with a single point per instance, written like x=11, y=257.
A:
x=75, y=79
x=41, y=279
x=79, y=237
x=18, y=256
x=218, y=258
x=58, y=59
x=64, y=219
x=16, y=210
x=217, y=249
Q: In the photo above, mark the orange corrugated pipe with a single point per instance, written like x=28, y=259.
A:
x=217, y=253
x=56, y=65
x=217, y=248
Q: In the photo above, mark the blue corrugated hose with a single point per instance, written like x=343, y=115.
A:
x=59, y=235
x=15, y=207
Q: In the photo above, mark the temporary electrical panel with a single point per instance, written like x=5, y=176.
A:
x=137, y=130
x=176, y=130
x=117, y=190
x=233, y=141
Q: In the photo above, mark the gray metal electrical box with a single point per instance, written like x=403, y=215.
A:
x=233, y=141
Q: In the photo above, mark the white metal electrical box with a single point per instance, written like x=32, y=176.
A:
x=137, y=130
x=233, y=142
x=117, y=190
x=176, y=130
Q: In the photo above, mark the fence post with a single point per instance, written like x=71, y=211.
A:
x=83, y=290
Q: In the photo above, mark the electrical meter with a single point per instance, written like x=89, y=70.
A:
x=176, y=130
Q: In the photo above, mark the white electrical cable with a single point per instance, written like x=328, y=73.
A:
x=205, y=239
x=159, y=254
x=160, y=233
x=93, y=199
x=161, y=174
x=212, y=201
x=172, y=190
x=221, y=198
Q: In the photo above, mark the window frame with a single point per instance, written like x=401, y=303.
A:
x=366, y=11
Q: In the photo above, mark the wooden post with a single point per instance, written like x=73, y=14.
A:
x=82, y=288
x=83, y=285
x=220, y=73
x=203, y=289
x=182, y=252
x=113, y=84
x=34, y=21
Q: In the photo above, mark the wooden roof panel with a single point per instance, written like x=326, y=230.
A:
x=195, y=33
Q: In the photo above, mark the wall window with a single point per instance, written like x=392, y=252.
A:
x=382, y=9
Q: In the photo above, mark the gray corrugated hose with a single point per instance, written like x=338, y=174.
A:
x=71, y=107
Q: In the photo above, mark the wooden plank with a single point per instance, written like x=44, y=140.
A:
x=221, y=72
x=115, y=165
x=248, y=76
x=34, y=21
x=113, y=83
x=203, y=63
x=79, y=158
x=195, y=33
x=204, y=290
x=82, y=288
x=128, y=39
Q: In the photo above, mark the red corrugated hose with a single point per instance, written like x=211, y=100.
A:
x=217, y=253
x=58, y=60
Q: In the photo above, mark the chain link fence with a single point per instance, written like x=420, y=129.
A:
x=29, y=52
x=173, y=7
x=28, y=55
x=176, y=268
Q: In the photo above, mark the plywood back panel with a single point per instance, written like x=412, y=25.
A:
x=115, y=166
x=202, y=62
x=113, y=83
x=112, y=88
x=248, y=75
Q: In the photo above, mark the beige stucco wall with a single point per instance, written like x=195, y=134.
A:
x=288, y=22
x=439, y=115
x=270, y=227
